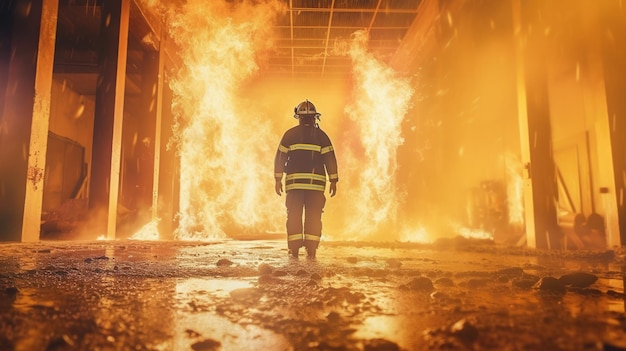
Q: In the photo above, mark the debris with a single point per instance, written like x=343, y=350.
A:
x=380, y=345
x=280, y=273
x=464, y=330
x=11, y=290
x=511, y=272
x=525, y=282
x=192, y=333
x=206, y=345
x=224, y=262
x=419, y=284
x=578, y=279
x=393, y=263
x=246, y=294
x=265, y=269
x=60, y=343
x=333, y=317
x=550, y=284
x=444, y=282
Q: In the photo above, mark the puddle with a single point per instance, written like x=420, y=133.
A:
x=27, y=299
x=214, y=287
x=190, y=329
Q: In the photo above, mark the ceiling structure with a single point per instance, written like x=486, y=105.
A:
x=310, y=30
x=306, y=36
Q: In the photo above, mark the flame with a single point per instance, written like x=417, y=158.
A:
x=381, y=100
x=150, y=231
x=226, y=144
x=223, y=142
x=473, y=233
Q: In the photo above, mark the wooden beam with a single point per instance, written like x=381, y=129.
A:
x=31, y=225
x=105, y=172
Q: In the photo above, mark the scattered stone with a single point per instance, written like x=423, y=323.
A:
x=312, y=283
x=419, y=284
x=615, y=294
x=206, y=345
x=316, y=276
x=192, y=333
x=380, y=345
x=464, y=330
x=444, y=282
x=609, y=347
x=246, y=294
x=60, y=343
x=525, y=282
x=265, y=269
x=550, y=284
x=301, y=272
x=351, y=259
x=224, y=262
x=439, y=296
x=280, y=273
x=268, y=279
x=511, y=272
x=393, y=263
x=11, y=290
x=579, y=279
x=333, y=317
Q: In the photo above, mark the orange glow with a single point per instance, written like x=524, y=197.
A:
x=379, y=103
x=515, y=190
x=149, y=231
x=227, y=138
x=223, y=141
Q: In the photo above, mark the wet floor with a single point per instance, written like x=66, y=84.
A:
x=249, y=295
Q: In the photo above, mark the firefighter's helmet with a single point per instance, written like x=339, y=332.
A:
x=306, y=109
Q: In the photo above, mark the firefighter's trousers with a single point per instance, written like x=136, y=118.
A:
x=312, y=203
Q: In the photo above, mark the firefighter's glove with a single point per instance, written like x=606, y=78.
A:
x=279, y=187
x=333, y=189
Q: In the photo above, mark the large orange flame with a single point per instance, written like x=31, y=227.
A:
x=222, y=137
x=227, y=141
x=381, y=100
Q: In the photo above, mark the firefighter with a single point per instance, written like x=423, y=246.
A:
x=306, y=156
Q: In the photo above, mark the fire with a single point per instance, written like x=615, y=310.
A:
x=149, y=231
x=223, y=141
x=380, y=102
x=226, y=141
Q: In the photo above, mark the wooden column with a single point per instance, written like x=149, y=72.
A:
x=613, y=129
x=169, y=171
x=27, y=39
x=157, y=132
x=31, y=227
x=540, y=186
x=109, y=114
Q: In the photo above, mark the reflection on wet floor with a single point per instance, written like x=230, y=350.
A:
x=249, y=295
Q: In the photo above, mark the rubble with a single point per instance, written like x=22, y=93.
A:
x=231, y=295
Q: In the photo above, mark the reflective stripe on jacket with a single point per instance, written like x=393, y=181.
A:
x=306, y=155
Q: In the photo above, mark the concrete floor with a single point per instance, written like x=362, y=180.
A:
x=249, y=295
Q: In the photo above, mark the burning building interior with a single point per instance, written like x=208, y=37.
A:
x=481, y=147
